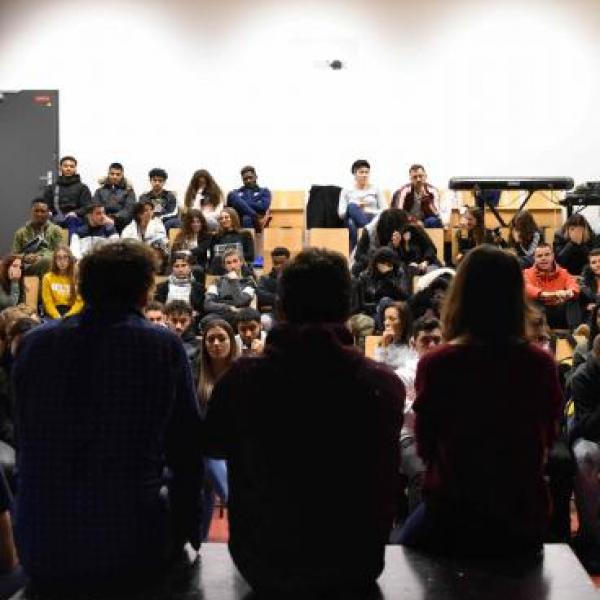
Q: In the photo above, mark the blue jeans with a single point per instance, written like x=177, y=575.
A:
x=357, y=219
x=433, y=222
x=215, y=471
x=245, y=211
x=71, y=223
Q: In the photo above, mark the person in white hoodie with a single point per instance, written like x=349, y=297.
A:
x=145, y=227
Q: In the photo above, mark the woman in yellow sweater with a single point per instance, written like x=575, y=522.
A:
x=59, y=286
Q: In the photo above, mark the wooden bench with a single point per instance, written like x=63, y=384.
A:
x=336, y=238
x=286, y=237
x=32, y=291
x=408, y=575
x=437, y=237
x=287, y=209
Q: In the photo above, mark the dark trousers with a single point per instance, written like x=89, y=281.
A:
x=562, y=316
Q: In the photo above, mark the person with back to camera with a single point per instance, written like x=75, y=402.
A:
x=359, y=204
x=96, y=511
x=338, y=421
x=484, y=492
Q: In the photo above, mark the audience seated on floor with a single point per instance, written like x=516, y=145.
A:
x=523, y=237
x=154, y=311
x=181, y=285
x=145, y=227
x=266, y=289
x=394, y=348
x=219, y=350
x=419, y=199
x=380, y=232
x=194, y=238
x=204, y=194
x=37, y=240
x=251, y=337
x=351, y=457
x=383, y=280
x=415, y=253
x=362, y=202
x=60, y=297
x=180, y=320
x=95, y=231
x=68, y=198
x=428, y=300
x=88, y=475
x=232, y=291
x=584, y=346
x=552, y=289
x=12, y=290
x=426, y=335
x=117, y=196
x=228, y=236
x=573, y=243
x=251, y=201
x=585, y=434
x=472, y=233
x=165, y=202
x=484, y=492
x=590, y=278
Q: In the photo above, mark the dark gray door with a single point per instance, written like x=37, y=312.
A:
x=28, y=154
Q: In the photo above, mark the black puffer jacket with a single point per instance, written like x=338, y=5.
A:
x=69, y=194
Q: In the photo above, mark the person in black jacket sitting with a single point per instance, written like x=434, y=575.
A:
x=181, y=285
x=117, y=197
x=585, y=386
x=383, y=279
x=68, y=198
x=230, y=235
x=573, y=243
x=380, y=232
x=267, y=285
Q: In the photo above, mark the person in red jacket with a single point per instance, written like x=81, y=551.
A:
x=553, y=289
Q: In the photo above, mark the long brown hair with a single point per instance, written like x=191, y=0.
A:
x=406, y=320
x=207, y=379
x=235, y=220
x=4, y=267
x=479, y=229
x=486, y=301
x=525, y=224
x=70, y=273
x=186, y=227
x=212, y=192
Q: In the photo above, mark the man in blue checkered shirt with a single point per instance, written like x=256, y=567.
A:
x=109, y=460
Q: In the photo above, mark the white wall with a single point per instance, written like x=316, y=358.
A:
x=468, y=88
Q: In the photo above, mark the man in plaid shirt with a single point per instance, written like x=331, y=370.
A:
x=109, y=461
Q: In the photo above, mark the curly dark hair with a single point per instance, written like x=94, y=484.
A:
x=117, y=275
x=212, y=192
